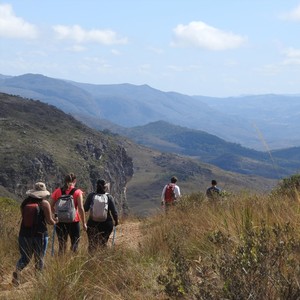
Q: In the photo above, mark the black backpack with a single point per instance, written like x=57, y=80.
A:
x=213, y=193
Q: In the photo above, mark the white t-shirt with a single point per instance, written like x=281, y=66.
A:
x=176, y=191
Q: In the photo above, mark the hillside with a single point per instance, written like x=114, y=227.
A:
x=153, y=169
x=40, y=142
x=211, y=149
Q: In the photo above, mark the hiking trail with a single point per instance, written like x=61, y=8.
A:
x=128, y=235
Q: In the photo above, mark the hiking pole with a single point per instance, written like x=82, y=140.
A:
x=53, y=236
x=114, y=236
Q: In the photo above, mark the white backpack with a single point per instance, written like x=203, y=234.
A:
x=99, y=208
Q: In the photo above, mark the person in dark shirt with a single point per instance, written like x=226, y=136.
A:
x=33, y=234
x=99, y=232
x=213, y=192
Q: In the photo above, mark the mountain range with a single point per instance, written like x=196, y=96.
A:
x=211, y=149
x=170, y=121
x=260, y=122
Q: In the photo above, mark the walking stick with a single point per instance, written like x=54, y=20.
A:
x=114, y=236
x=53, y=236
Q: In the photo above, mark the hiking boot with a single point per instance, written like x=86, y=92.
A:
x=16, y=279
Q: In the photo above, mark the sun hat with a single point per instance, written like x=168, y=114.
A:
x=39, y=191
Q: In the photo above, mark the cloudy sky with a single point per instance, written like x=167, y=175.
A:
x=195, y=47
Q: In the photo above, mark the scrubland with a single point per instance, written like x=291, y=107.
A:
x=243, y=246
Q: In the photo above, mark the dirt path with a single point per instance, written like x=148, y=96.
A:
x=8, y=291
x=127, y=235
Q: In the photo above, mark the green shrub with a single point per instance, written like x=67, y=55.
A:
x=176, y=279
x=289, y=186
x=261, y=264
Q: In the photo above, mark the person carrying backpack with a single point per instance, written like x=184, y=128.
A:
x=213, y=192
x=170, y=193
x=67, y=204
x=33, y=234
x=103, y=216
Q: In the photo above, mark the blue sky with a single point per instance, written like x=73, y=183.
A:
x=195, y=47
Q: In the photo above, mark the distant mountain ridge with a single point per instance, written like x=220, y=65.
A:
x=211, y=149
x=274, y=118
x=128, y=105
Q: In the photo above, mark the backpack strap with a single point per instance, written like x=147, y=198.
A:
x=71, y=192
x=171, y=185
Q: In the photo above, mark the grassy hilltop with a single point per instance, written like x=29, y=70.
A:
x=243, y=247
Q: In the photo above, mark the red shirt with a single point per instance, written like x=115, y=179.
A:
x=57, y=193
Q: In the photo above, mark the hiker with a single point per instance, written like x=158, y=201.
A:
x=213, y=192
x=68, y=222
x=102, y=218
x=33, y=234
x=170, y=193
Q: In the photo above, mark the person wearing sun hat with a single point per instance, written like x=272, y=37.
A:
x=33, y=234
x=98, y=232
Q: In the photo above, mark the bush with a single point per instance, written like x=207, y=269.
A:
x=289, y=186
x=262, y=264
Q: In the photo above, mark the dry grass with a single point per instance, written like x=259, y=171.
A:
x=192, y=252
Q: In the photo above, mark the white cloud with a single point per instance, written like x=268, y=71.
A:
x=292, y=53
x=175, y=68
x=292, y=56
x=76, y=33
x=145, y=68
x=293, y=15
x=115, y=52
x=156, y=50
x=77, y=48
x=14, y=27
x=231, y=63
x=201, y=35
x=269, y=70
x=188, y=68
x=291, y=59
x=97, y=61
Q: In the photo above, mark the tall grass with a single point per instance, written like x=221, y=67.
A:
x=9, y=222
x=246, y=246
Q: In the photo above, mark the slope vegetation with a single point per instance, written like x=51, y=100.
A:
x=211, y=149
x=40, y=142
